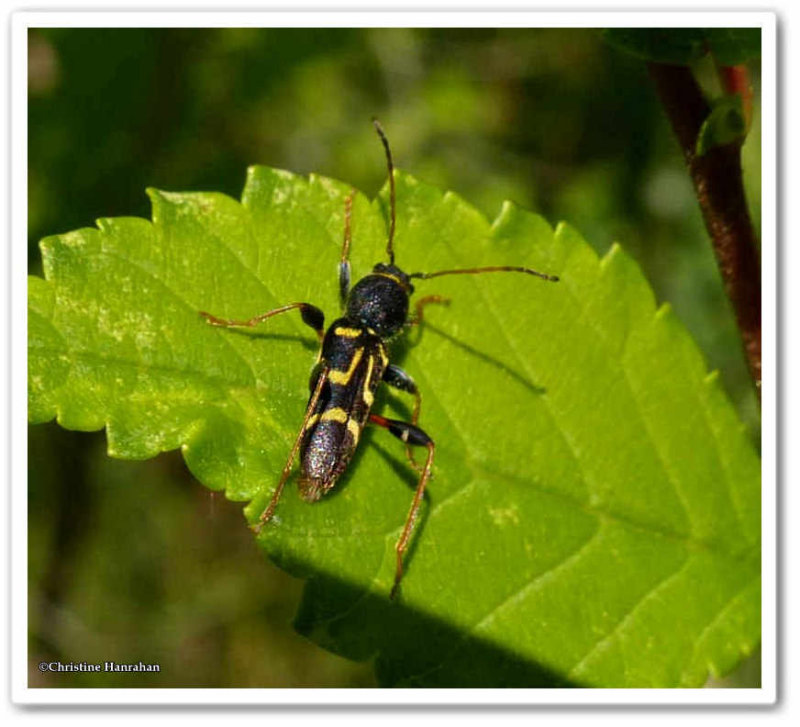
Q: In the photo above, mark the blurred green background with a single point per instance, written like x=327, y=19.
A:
x=134, y=561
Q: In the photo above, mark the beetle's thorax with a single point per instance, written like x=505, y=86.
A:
x=380, y=300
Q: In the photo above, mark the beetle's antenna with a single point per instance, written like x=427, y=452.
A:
x=492, y=269
x=385, y=141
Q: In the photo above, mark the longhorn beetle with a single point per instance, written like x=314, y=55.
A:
x=353, y=360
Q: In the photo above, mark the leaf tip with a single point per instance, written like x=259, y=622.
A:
x=614, y=250
x=611, y=256
x=507, y=210
x=564, y=230
x=104, y=224
x=156, y=197
x=664, y=310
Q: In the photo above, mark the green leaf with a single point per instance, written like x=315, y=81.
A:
x=683, y=46
x=594, y=515
x=725, y=124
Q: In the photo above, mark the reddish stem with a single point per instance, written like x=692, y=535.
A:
x=736, y=79
x=717, y=178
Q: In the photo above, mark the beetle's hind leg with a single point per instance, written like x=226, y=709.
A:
x=269, y=511
x=410, y=435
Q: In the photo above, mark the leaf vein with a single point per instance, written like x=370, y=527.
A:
x=540, y=579
x=184, y=302
x=719, y=614
x=628, y=617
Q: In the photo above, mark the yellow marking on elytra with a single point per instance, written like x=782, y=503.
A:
x=384, y=357
x=347, y=332
x=367, y=394
x=343, y=377
x=354, y=429
x=312, y=420
x=337, y=414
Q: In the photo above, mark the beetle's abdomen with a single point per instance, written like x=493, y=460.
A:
x=356, y=360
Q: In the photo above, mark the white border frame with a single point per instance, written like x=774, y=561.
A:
x=22, y=694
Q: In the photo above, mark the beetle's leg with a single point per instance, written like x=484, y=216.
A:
x=395, y=376
x=312, y=405
x=311, y=315
x=344, y=263
x=412, y=435
x=416, y=319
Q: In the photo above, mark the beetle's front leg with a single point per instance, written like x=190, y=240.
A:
x=344, y=262
x=312, y=316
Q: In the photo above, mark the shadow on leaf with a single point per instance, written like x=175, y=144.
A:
x=406, y=345
x=425, y=651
